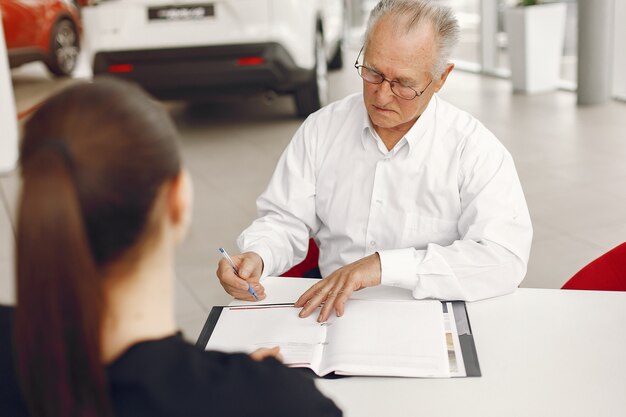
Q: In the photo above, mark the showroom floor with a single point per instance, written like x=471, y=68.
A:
x=570, y=160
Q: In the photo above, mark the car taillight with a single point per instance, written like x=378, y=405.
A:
x=250, y=60
x=117, y=68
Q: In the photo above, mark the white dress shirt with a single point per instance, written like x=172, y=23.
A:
x=444, y=208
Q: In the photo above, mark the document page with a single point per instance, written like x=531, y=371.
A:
x=388, y=338
x=281, y=290
x=245, y=329
x=455, y=353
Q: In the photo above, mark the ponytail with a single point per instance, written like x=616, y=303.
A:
x=58, y=316
x=85, y=203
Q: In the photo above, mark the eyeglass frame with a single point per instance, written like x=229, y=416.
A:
x=383, y=79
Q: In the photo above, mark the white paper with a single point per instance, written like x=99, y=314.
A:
x=279, y=290
x=455, y=354
x=249, y=328
x=398, y=338
x=374, y=337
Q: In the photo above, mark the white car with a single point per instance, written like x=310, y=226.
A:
x=192, y=48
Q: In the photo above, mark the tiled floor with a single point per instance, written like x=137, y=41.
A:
x=570, y=161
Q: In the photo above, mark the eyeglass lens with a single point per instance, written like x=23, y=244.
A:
x=397, y=88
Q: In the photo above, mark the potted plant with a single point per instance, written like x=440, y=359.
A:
x=535, y=32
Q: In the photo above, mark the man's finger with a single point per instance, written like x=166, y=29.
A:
x=312, y=304
x=239, y=283
x=228, y=277
x=307, y=308
x=246, y=269
x=308, y=294
x=239, y=293
x=340, y=302
x=329, y=303
x=259, y=290
x=327, y=308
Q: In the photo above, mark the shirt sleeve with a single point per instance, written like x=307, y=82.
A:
x=490, y=257
x=286, y=209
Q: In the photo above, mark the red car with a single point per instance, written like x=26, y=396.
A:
x=42, y=30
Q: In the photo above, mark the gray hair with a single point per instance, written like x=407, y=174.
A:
x=410, y=14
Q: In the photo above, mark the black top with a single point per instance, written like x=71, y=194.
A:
x=169, y=377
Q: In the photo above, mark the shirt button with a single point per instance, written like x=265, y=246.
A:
x=379, y=202
x=373, y=243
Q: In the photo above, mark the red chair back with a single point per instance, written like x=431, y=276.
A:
x=607, y=273
x=307, y=265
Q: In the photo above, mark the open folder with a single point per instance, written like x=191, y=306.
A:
x=374, y=337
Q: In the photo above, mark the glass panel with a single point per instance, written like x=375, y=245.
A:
x=570, y=47
x=357, y=14
x=468, y=14
x=467, y=11
x=619, y=46
x=502, y=56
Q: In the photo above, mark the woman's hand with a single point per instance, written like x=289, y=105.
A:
x=264, y=353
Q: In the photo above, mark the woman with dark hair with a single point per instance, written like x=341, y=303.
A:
x=104, y=201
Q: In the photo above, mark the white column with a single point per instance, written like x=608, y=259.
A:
x=8, y=117
x=595, y=34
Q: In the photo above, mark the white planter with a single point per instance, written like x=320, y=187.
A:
x=535, y=42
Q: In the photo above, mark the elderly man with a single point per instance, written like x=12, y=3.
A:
x=397, y=186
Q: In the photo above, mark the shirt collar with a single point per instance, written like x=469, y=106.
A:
x=367, y=130
x=417, y=131
x=422, y=125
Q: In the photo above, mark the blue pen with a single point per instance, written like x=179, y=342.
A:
x=232, y=264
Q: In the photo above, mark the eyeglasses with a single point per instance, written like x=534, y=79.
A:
x=374, y=77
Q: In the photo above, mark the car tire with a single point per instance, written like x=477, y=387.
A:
x=64, y=49
x=314, y=94
x=336, y=62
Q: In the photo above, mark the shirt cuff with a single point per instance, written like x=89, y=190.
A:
x=399, y=267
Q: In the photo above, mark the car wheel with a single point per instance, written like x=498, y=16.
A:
x=64, y=49
x=336, y=61
x=314, y=94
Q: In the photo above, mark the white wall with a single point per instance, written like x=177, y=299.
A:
x=8, y=117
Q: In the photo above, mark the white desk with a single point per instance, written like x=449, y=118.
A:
x=541, y=353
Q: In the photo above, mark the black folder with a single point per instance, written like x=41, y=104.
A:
x=466, y=338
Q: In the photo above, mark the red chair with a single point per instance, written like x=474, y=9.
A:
x=308, y=268
x=607, y=273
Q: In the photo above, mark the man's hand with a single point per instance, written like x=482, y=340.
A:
x=263, y=353
x=335, y=289
x=250, y=266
